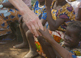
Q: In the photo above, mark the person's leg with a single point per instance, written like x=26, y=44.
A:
x=32, y=47
x=22, y=27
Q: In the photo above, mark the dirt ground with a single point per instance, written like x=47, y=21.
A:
x=6, y=51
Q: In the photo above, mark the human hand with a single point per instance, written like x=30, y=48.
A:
x=46, y=34
x=33, y=22
x=29, y=17
x=48, y=3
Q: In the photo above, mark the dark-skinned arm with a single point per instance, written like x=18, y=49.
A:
x=53, y=24
x=60, y=50
x=79, y=15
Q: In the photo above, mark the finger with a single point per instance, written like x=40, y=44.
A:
x=34, y=30
x=37, y=28
x=40, y=24
x=30, y=28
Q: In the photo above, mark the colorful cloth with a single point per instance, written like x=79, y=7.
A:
x=40, y=11
x=76, y=5
x=58, y=37
x=5, y=21
x=65, y=12
x=74, y=51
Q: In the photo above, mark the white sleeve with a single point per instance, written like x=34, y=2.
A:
x=75, y=4
x=79, y=3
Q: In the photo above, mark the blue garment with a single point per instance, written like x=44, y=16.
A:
x=39, y=11
x=74, y=56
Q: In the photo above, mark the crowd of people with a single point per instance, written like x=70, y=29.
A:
x=50, y=27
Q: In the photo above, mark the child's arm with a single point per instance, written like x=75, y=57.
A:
x=63, y=52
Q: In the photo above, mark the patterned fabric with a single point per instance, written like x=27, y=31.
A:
x=5, y=21
x=76, y=5
x=65, y=12
x=39, y=11
x=58, y=37
x=74, y=51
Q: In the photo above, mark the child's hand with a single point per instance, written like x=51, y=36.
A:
x=46, y=34
x=48, y=3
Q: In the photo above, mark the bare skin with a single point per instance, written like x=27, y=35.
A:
x=45, y=49
x=52, y=23
x=31, y=20
x=26, y=34
x=25, y=42
x=26, y=37
x=24, y=27
x=70, y=41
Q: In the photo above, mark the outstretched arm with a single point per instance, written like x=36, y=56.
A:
x=62, y=51
x=31, y=19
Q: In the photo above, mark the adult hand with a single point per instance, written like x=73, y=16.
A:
x=33, y=22
x=48, y=3
x=29, y=17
